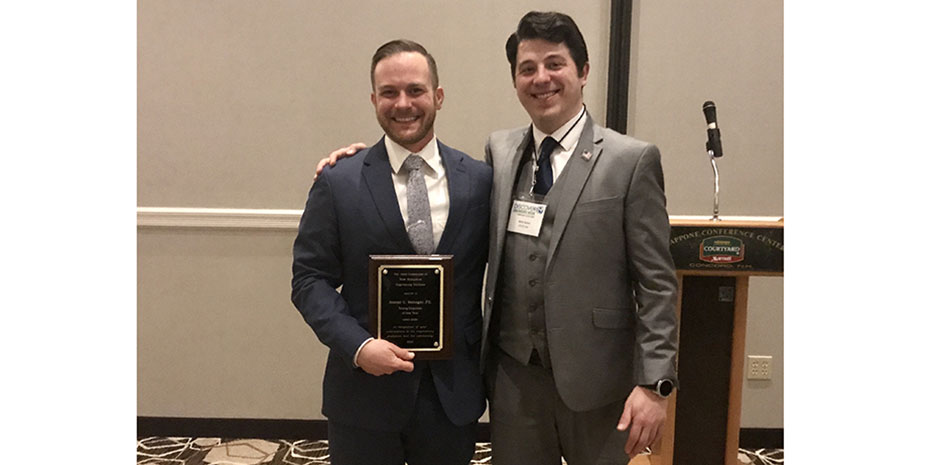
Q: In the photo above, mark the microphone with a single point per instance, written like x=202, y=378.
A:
x=714, y=135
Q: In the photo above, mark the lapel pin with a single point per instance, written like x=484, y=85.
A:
x=586, y=155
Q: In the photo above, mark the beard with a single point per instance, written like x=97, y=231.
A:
x=406, y=137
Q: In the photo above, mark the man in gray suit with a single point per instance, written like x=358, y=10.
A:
x=579, y=321
x=579, y=327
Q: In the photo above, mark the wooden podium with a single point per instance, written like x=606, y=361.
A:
x=714, y=260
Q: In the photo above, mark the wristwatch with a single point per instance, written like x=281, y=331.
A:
x=662, y=387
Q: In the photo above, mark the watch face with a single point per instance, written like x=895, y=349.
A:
x=665, y=387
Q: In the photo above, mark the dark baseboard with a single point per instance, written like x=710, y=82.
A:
x=760, y=438
x=231, y=428
x=246, y=428
x=750, y=438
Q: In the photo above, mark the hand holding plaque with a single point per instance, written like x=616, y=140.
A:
x=410, y=303
x=379, y=357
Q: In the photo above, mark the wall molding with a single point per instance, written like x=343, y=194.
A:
x=247, y=428
x=243, y=428
x=218, y=218
x=255, y=428
x=287, y=220
x=760, y=438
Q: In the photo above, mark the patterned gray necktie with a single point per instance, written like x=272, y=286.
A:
x=419, y=208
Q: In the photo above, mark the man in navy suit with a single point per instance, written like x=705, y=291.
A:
x=384, y=407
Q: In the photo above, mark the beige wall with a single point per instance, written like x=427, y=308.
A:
x=237, y=101
x=217, y=335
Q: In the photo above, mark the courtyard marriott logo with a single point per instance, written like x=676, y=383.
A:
x=721, y=249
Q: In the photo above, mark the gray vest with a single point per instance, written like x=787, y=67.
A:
x=520, y=305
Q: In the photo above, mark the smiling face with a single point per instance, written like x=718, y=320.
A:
x=405, y=100
x=547, y=83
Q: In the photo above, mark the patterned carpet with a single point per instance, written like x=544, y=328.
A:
x=219, y=451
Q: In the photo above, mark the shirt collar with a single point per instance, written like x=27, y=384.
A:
x=576, y=126
x=430, y=153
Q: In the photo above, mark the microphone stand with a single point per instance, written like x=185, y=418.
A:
x=713, y=146
x=711, y=156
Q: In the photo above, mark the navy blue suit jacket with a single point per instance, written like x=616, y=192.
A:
x=352, y=211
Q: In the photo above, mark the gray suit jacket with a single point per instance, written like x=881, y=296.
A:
x=610, y=282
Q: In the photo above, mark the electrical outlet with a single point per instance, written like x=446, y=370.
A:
x=759, y=366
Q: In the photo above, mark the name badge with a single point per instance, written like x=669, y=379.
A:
x=526, y=217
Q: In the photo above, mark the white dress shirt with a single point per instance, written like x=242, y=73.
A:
x=567, y=144
x=434, y=178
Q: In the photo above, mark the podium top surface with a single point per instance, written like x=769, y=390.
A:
x=727, y=221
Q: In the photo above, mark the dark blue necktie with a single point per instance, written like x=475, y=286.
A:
x=543, y=177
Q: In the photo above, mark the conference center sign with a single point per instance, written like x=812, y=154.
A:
x=720, y=248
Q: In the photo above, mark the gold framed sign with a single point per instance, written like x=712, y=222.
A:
x=410, y=303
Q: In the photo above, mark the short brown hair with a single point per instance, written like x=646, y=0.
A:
x=401, y=46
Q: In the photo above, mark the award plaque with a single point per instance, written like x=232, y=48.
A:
x=410, y=301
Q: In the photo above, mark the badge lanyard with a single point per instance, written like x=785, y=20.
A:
x=526, y=216
x=535, y=161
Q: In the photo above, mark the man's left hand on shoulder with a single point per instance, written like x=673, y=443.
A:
x=644, y=413
x=335, y=155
